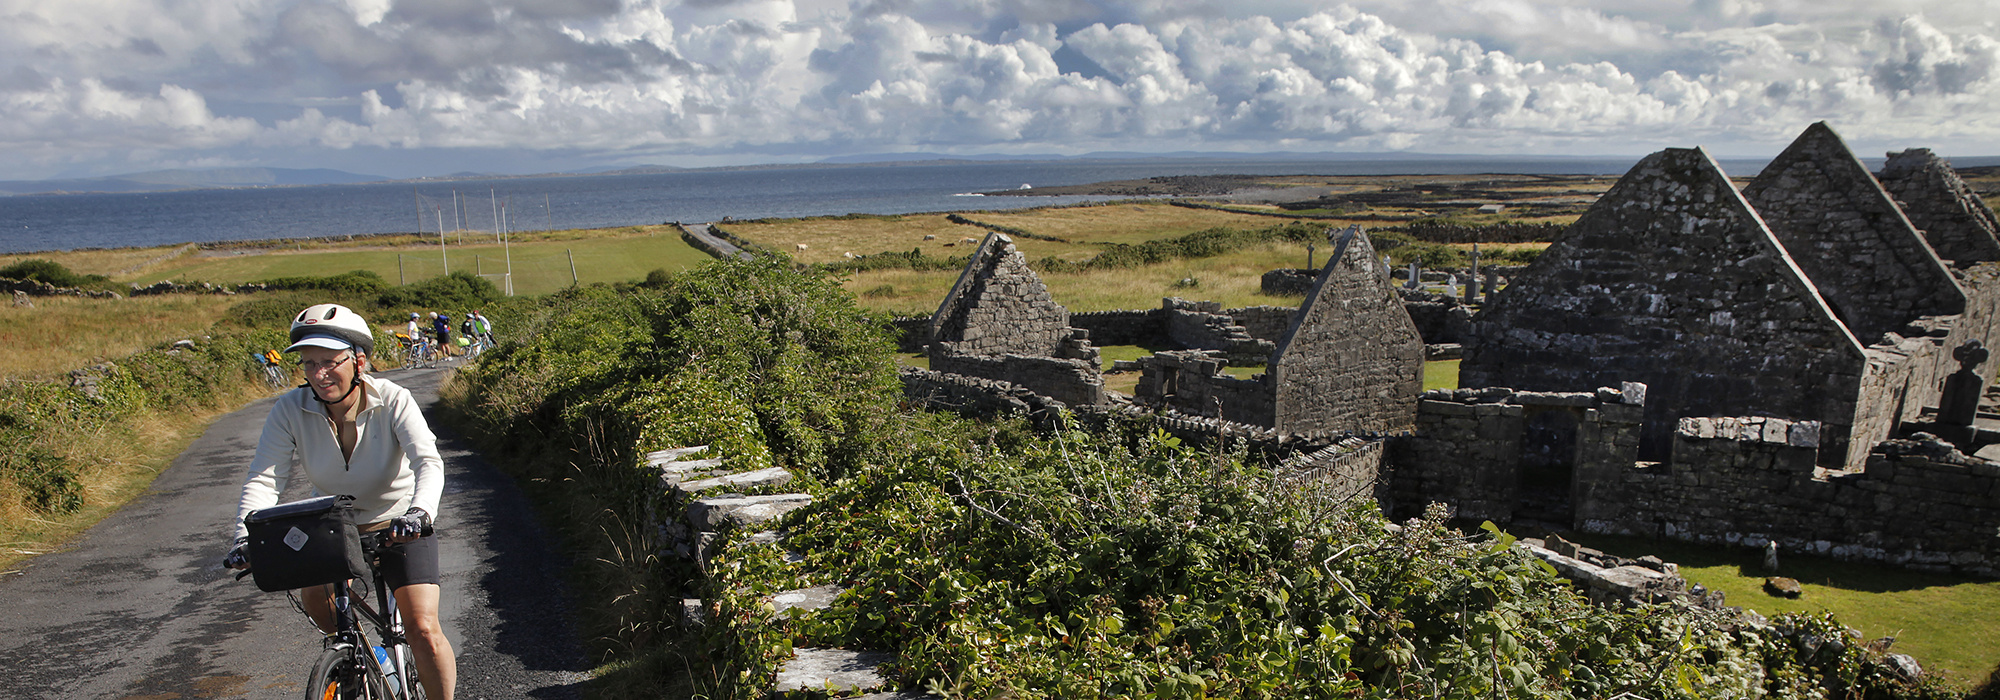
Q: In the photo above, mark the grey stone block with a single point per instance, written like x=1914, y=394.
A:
x=815, y=598
x=774, y=476
x=707, y=515
x=833, y=669
x=664, y=456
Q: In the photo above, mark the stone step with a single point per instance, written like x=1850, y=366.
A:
x=681, y=469
x=664, y=456
x=833, y=669
x=708, y=514
x=774, y=476
x=815, y=598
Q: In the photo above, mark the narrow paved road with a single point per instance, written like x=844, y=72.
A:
x=139, y=608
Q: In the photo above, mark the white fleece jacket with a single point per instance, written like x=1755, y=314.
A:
x=395, y=464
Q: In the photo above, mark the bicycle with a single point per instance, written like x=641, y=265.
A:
x=417, y=350
x=274, y=375
x=349, y=666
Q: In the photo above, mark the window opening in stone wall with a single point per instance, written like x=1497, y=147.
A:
x=1548, y=465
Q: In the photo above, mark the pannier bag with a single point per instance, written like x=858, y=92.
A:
x=305, y=543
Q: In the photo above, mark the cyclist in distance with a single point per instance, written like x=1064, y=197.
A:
x=360, y=436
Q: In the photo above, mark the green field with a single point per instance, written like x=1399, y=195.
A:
x=539, y=267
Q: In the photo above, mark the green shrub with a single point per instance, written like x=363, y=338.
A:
x=53, y=273
x=356, y=283
x=457, y=291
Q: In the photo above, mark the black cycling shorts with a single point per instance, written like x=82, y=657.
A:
x=411, y=562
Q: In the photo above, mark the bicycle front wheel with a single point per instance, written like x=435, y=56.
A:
x=340, y=675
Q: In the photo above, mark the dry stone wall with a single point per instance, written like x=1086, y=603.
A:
x=1672, y=280
x=1352, y=359
x=1073, y=382
x=1263, y=322
x=1468, y=446
x=1201, y=325
x=1145, y=327
x=1958, y=224
x=1751, y=480
x=1873, y=268
x=1193, y=382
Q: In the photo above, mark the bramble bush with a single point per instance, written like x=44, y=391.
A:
x=1001, y=562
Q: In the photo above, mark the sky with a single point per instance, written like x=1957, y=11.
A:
x=405, y=88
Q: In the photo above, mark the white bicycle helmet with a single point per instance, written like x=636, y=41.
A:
x=331, y=326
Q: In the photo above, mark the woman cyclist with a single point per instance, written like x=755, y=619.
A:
x=360, y=436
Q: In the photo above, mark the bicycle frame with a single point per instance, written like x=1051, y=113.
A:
x=351, y=611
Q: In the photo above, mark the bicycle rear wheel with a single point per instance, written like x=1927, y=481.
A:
x=340, y=675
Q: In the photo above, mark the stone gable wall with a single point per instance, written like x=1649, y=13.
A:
x=999, y=306
x=1958, y=224
x=1671, y=280
x=1873, y=268
x=1352, y=360
x=1748, y=481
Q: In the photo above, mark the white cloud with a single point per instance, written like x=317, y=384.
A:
x=98, y=85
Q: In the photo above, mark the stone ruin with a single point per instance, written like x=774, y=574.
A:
x=1792, y=339
x=1350, y=360
x=999, y=323
x=1799, y=362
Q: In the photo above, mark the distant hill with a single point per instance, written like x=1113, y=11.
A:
x=168, y=180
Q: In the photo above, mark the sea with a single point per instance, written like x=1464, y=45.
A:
x=73, y=221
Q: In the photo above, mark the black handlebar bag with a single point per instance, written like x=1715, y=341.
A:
x=305, y=543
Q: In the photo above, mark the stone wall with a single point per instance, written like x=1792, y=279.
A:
x=1484, y=451
x=1193, y=381
x=1350, y=468
x=974, y=396
x=1144, y=327
x=1287, y=282
x=1747, y=481
x=36, y=288
x=1201, y=325
x=1072, y=381
x=1872, y=267
x=1672, y=280
x=1352, y=359
x=1440, y=318
x=1958, y=224
x=1263, y=322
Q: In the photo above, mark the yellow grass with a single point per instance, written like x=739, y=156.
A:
x=1123, y=222
x=115, y=467
x=830, y=239
x=61, y=334
x=115, y=263
x=1234, y=278
x=540, y=266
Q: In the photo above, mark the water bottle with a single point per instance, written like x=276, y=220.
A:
x=388, y=670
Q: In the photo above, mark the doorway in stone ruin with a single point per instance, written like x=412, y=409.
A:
x=1548, y=465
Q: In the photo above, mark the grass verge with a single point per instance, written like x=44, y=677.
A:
x=60, y=334
x=540, y=266
x=1948, y=623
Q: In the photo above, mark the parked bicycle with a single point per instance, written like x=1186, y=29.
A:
x=417, y=351
x=367, y=656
